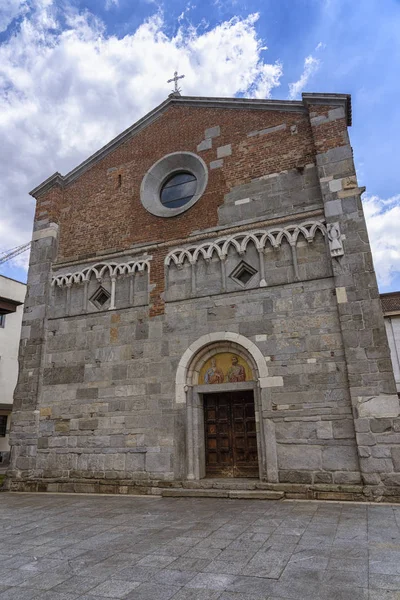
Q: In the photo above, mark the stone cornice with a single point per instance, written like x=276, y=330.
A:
x=198, y=102
x=331, y=100
x=52, y=181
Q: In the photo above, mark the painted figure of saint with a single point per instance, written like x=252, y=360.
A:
x=236, y=372
x=214, y=374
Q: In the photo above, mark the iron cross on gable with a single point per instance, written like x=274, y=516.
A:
x=175, y=79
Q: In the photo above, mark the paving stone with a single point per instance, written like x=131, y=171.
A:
x=189, y=564
x=251, y=585
x=78, y=585
x=243, y=596
x=235, y=555
x=170, y=577
x=384, y=567
x=227, y=568
x=348, y=564
x=324, y=576
x=121, y=560
x=52, y=595
x=44, y=581
x=91, y=597
x=197, y=552
x=383, y=595
x=192, y=594
x=262, y=550
x=17, y=593
x=15, y=562
x=153, y=591
x=114, y=588
x=308, y=562
x=154, y=560
x=211, y=581
x=268, y=564
x=379, y=581
x=137, y=573
x=14, y=577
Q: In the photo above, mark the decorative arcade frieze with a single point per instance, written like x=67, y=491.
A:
x=260, y=238
x=100, y=272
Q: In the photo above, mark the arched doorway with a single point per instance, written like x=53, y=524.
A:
x=219, y=379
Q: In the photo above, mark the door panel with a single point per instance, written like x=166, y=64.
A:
x=230, y=435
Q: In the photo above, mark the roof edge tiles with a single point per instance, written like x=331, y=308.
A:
x=390, y=303
x=199, y=102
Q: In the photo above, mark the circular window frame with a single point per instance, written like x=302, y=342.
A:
x=164, y=168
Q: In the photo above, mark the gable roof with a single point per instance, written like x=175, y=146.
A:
x=202, y=102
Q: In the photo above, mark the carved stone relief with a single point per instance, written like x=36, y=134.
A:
x=335, y=239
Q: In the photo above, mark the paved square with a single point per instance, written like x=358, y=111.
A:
x=57, y=547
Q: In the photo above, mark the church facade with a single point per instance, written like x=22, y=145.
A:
x=202, y=306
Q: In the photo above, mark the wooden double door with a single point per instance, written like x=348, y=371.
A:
x=230, y=435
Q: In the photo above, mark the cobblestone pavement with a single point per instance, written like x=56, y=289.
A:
x=58, y=547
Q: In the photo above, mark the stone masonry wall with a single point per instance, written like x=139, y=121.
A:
x=96, y=398
x=25, y=416
x=376, y=409
x=107, y=408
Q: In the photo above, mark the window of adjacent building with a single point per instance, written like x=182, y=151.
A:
x=2, y=320
x=3, y=425
x=178, y=189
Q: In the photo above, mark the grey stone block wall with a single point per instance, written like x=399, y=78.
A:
x=32, y=352
x=375, y=405
x=274, y=195
x=107, y=405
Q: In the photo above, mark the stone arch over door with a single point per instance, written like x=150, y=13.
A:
x=189, y=391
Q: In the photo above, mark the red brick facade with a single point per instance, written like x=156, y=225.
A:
x=101, y=212
x=96, y=215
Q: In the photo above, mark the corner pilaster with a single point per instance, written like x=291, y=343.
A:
x=370, y=374
x=25, y=417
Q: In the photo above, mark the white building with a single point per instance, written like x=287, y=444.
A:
x=12, y=295
x=391, y=312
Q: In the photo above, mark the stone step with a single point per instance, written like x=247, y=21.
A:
x=222, y=484
x=215, y=493
x=256, y=494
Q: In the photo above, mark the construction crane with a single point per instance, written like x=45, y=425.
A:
x=9, y=254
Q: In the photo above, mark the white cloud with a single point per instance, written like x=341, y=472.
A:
x=311, y=66
x=65, y=92
x=383, y=218
x=186, y=11
x=110, y=3
x=9, y=10
x=225, y=5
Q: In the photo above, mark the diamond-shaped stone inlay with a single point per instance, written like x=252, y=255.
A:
x=100, y=297
x=243, y=273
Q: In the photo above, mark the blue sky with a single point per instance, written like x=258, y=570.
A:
x=73, y=74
